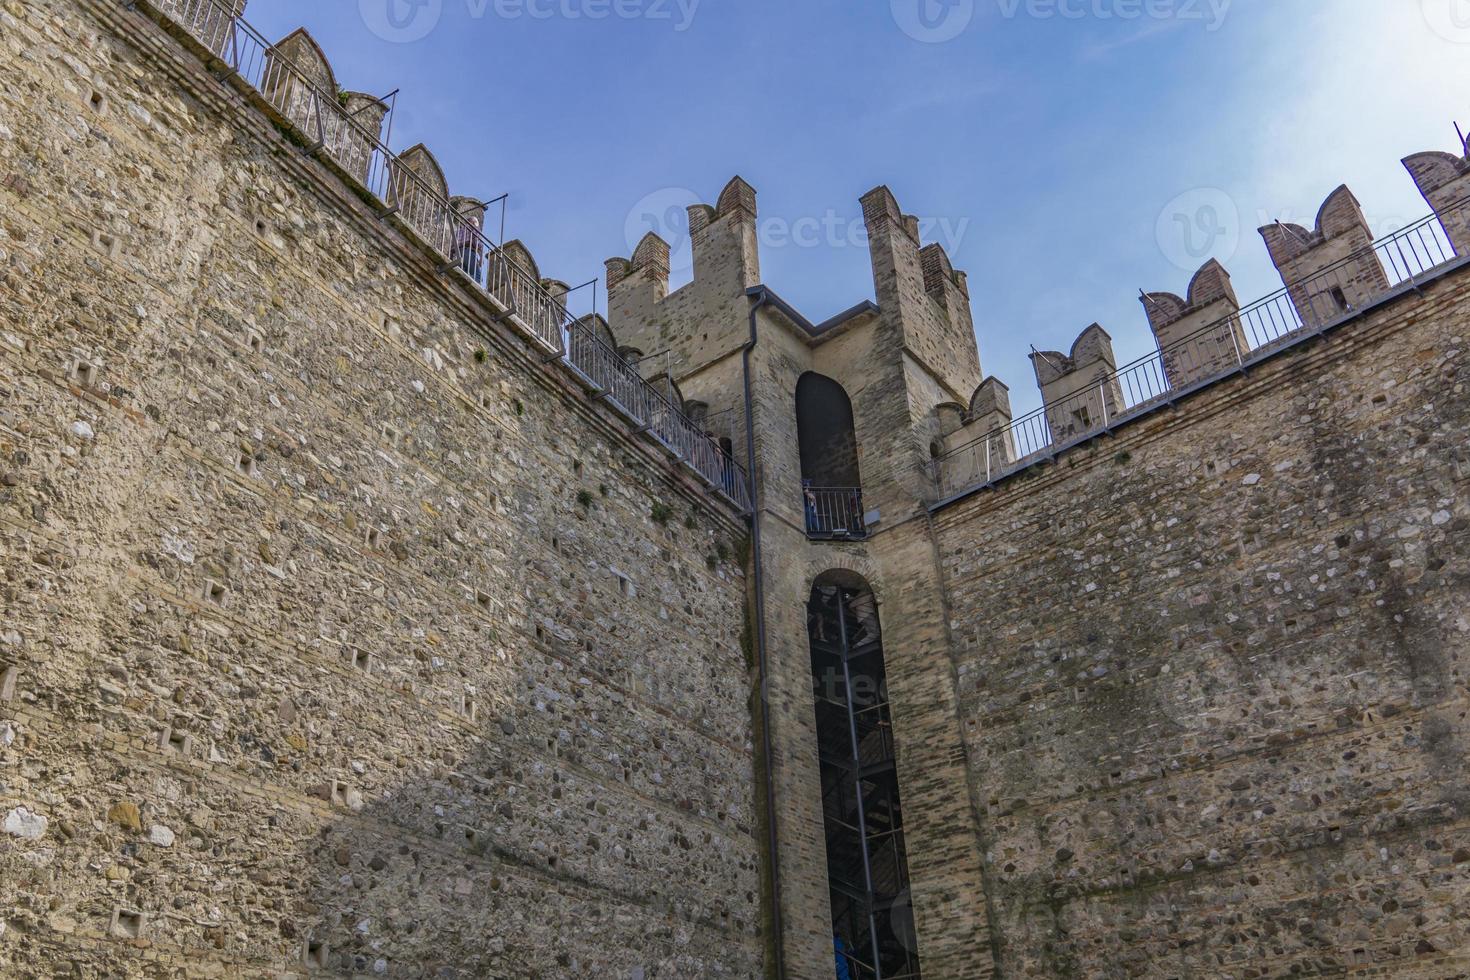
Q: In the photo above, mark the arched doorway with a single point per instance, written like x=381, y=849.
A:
x=831, y=484
x=867, y=864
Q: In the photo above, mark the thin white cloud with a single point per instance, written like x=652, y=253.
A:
x=1096, y=50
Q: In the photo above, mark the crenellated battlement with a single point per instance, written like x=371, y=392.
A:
x=1340, y=240
x=1211, y=310
x=1444, y=180
x=380, y=574
x=1330, y=272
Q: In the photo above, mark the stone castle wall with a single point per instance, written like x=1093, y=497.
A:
x=337, y=632
x=1212, y=672
x=341, y=633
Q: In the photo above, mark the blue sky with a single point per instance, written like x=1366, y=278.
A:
x=1048, y=143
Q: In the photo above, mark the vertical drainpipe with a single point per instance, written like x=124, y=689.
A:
x=760, y=643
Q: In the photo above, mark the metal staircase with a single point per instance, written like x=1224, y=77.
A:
x=867, y=868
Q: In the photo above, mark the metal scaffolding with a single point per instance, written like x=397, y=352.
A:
x=867, y=867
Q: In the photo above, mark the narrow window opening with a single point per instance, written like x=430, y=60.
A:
x=315, y=954
x=9, y=675
x=577, y=469
x=831, y=484
x=373, y=537
x=867, y=866
x=215, y=592
x=468, y=708
x=392, y=435
x=256, y=342
x=483, y=600
x=540, y=633
x=1339, y=298
x=98, y=102
x=84, y=373
x=339, y=793
x=127, y=924
x=260, y=227
x=105, y=243
x=360, y=660
x=246, y=465
x=176, y=741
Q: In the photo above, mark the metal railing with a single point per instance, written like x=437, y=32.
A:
x=834, y=513
x=618, y=381
x=1302, y=309
x=328, y=126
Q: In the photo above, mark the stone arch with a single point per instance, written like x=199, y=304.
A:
x=826, y=433
x=867, y=864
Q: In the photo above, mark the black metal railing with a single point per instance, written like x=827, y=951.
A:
x=327, y=125
x=834, y=513
x=1299, y=310
x=614, y=378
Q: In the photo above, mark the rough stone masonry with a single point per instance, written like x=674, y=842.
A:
x=335, y=634
x=344, y=633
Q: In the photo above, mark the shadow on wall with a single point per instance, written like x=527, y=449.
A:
x=425, y=883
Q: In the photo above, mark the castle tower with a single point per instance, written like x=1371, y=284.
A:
x=845, y=415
